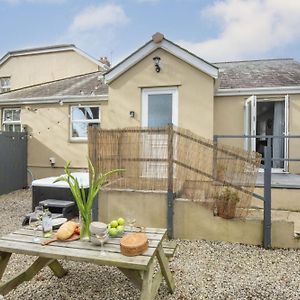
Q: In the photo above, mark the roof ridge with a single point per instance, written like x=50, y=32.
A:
x=48, y=82
x=252, y=60
x=56, y=46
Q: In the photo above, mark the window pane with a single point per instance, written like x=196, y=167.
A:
x=85, y=113
x=159, y=110
x=79, y=129
x=16, y=115
x=17, y=128
x=9, y=128
x=5, y=82
x=78, y=113
x=92, y=113
x=8, y=115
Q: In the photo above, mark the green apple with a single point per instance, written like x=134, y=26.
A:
x=113, y=232
x=114, y=224
x=120, y=229
x=121, y=221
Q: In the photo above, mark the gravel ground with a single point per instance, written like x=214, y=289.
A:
x=202, y=270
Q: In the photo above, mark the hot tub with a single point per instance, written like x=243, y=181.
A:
x=45, y=188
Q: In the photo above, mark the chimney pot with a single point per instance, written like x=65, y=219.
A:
x=157, y=37
x=105, y=61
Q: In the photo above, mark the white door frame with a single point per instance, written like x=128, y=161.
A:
x=286, y=131
x=156, y=91
x=250, y=120
x=252, y=130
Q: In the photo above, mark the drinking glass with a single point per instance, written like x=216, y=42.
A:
x=131, y=221
x=102, y=237
x=39, y=210
x=35, y=221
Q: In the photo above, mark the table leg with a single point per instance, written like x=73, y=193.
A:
x=27, y=275
x=147, y=276
x=164, y=266
x=57, y=269
x=4, y=259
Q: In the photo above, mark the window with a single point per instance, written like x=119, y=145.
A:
x=81, y=118
x=4, y=84
x=11, y=120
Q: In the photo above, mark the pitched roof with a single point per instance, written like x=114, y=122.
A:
x=50, y=49
x=87, y=86
x=159, y=41
x=259, y=73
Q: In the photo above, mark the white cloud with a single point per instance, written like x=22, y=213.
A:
x=248, y=28
x=96, y=29
x=98, y=17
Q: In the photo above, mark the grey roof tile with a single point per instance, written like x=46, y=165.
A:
x=240, y=74
x=87, y=84
x=259, y=73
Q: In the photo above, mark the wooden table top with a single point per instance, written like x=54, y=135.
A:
x=21, y=242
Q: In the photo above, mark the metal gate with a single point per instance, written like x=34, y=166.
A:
x=13, y=161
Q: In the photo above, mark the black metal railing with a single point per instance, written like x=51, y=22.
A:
x=267, y=166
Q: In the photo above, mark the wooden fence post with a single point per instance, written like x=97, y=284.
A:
x=170, y=192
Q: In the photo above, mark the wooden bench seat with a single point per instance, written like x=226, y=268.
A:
x=169, y=248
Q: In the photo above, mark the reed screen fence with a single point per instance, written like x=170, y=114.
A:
x=160, y=159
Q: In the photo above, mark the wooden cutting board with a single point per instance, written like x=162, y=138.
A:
x=74, y=237
x=134, y=244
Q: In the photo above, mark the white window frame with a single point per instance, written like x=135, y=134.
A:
x=5, y=88
x=93, y=121
x=157, y=91
x=4, y=122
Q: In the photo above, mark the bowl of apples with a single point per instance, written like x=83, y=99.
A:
x=116, y=228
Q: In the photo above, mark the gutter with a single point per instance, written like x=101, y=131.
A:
x=259, y=91
x=54, y=99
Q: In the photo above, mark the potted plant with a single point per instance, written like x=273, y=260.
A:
x=226, y=202
x=85, y=202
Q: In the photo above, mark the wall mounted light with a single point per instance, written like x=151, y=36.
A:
x=29, y=108
x=61, y=103
x=131, y=114
x=156, y=60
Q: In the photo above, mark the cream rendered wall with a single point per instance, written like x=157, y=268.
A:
x=39, y=68
x=191, y=219
x=48, y=129
x=195, y=91
x=294, y=129
x=229, y=118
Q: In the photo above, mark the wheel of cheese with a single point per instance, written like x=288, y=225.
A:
x=134, y=244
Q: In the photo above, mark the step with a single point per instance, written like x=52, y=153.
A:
x=278, y=215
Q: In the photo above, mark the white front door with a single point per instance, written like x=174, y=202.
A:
x=159, y=109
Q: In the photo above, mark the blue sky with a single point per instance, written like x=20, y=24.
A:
x=215, y=30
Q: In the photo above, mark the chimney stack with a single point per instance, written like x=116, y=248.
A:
x=105, y=61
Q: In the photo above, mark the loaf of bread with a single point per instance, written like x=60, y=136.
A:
x=66, y=230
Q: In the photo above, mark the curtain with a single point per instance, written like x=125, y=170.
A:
x=278, y=129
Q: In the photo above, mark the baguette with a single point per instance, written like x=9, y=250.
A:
x=66, y=230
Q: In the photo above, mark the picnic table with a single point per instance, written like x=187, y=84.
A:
x=139, y=269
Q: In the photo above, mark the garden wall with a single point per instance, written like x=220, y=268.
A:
x=191, y=219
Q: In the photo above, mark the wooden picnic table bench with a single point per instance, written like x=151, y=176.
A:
x=139, y=269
